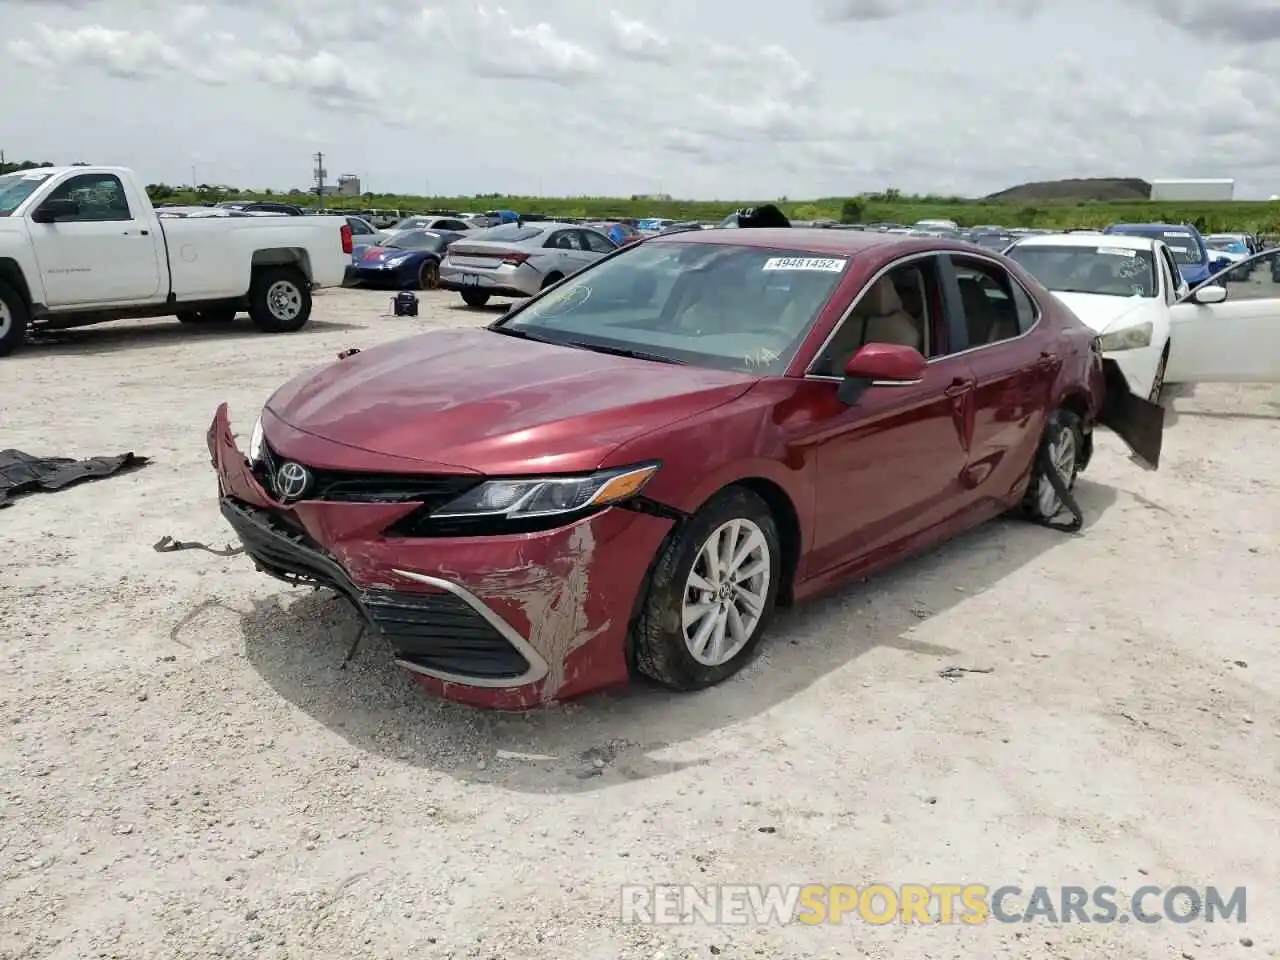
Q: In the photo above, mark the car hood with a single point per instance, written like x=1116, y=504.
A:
x=479, y=400
x=1100, y=312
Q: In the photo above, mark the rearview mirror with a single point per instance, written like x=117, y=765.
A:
x=52, y=210
x=1210, y=293
x=884, y=364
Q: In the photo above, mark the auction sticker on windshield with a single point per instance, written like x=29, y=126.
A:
x=827, y=265
x=1117, y=252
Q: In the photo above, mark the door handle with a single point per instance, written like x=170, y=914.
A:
x=958, y=387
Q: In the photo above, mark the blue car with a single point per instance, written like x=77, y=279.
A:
x=1195, y=261
x=409, y=260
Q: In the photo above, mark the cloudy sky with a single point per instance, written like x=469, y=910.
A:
x=727, y=99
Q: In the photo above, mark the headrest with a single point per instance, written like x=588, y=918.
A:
x=883, y=299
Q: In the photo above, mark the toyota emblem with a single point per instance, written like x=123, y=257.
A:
x=292, y=481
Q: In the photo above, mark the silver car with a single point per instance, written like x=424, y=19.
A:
x=518, y=260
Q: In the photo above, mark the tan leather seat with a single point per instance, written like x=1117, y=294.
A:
x=890, y=323
x=878, y=318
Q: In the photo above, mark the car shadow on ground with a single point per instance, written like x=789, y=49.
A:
x=497, y=309
x=110, y=338
x=599, y=741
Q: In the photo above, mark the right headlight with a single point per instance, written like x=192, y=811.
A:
x=1127, y=338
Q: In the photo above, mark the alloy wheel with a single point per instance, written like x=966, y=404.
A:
x=725, y=592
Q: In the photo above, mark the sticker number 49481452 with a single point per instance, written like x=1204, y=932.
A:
x=826, y=264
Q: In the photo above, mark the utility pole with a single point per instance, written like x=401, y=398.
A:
x=319, y=174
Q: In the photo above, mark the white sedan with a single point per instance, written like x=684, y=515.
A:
x=1128, y=289
x=1124, y=287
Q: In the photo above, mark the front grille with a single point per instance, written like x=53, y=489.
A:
x=349, y=486
x=443, y=632
x=437, y=631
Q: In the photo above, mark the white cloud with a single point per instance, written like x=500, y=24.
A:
x=720, y=98
x=636, y=40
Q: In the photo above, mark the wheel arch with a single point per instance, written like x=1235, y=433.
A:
x=11, y=275
x=283, y=257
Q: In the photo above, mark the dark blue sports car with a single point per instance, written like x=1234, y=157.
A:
x=409, y=260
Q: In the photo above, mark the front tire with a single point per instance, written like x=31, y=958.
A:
x=14, y=318
x=551, y=280
x=473, y=298
x=428, y=275
x=279, y=300
x=711, y=595
x=1065, y=438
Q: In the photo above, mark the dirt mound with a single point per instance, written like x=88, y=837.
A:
x=1098, y=188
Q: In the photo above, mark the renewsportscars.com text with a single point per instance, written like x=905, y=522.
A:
x=972, y=904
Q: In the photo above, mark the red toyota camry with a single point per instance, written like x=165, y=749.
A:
x=629, y=472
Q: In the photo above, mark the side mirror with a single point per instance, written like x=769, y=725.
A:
x=53, y=210
x=881, y=364
x=1210, y=293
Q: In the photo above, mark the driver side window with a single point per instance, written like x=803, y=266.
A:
x=898, y=307
x=100, y=196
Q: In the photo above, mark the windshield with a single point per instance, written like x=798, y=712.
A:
x=1226, y=244
x=1182, y=243
x=507, y=233
x=714, y=305
x=1111, y=271
x=16, y=187
x=416, y=240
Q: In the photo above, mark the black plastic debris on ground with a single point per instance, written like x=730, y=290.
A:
x=21, y=473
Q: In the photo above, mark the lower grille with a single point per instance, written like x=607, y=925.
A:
x=442, y=632
x=435, y=631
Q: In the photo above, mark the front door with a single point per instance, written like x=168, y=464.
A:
x=105, y=254
x=1012, y=376
x=1236, y=341
x=889, y=467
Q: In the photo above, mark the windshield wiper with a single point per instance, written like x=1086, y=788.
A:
x=624, y=352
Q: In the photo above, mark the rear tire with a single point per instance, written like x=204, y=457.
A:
x=473, y=299
x=1066, y=438
x=676, y=607
x=14, y=320
x=551, y=280
x=279, y=299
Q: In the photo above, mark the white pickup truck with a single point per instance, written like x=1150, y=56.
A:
x=83, y=245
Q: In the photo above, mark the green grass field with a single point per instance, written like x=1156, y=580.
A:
x=1256, y=217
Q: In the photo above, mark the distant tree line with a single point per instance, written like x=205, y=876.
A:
x=886, y=206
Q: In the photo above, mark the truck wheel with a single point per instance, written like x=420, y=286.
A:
x=279, y=300
x=14, y=317
x=473, y=299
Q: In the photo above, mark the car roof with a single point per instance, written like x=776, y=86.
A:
x=1180, y=227
x=1120, y=240
x=815, y=240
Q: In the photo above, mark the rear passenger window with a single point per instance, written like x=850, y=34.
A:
x=987, y=296
x=1026, y=307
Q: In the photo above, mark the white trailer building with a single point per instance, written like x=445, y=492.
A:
x=1211, y=190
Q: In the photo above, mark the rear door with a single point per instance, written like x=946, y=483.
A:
x=1014, y=361
x=595, y=244
x=1236, y=341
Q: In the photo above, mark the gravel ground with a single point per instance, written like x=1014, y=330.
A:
x=189, y=772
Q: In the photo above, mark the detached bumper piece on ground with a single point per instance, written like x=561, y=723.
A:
x=22, y=473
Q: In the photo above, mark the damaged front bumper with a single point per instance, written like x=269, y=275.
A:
x=1136, y=420
x=505, y=622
